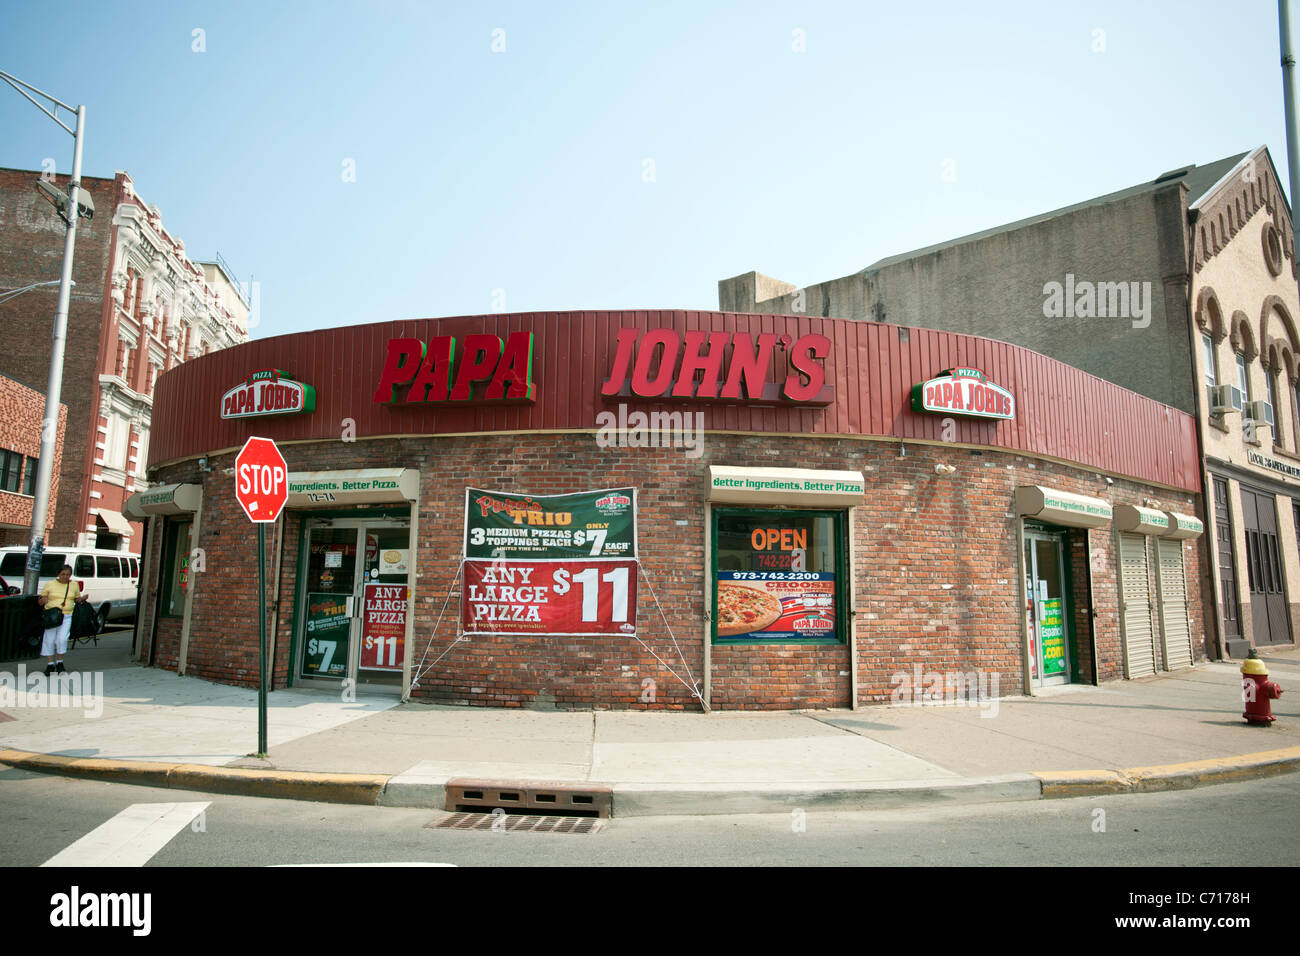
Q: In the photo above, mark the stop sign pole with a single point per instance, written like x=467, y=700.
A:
x=262, y=488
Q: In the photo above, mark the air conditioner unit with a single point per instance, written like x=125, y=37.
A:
x=1261, y=413
x=1224, y=399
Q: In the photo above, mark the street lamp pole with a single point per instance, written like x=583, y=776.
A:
x=54, y=390
x=15, y=293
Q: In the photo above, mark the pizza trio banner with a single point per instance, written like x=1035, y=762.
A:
x=592, y=524
x=550, y=564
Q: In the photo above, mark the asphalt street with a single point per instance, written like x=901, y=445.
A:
x=1253, y=823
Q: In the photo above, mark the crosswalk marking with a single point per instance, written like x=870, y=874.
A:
x=132, y=837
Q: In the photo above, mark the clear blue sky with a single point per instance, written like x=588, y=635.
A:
x=524, y=170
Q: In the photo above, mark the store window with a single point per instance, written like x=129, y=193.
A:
x=176, y=568
x=779, y=576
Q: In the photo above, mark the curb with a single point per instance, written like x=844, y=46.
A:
x=356, y=788
x=1173, y=776
x=416, y=791
x=681, y=799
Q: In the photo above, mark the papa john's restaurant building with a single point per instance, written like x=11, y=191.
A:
x=669, y=509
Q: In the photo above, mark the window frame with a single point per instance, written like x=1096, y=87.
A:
x=840, y=531
x=1270, y=392
x=117, y=446
x=1243, y=378
x=11, y=471
x=29, y=476
x=1210, y=360
x=1293, y=395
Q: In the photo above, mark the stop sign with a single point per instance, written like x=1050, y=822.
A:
x=261, y=480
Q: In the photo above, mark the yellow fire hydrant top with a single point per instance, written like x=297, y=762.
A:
x=1254, y=666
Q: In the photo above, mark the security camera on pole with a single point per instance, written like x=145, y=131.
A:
x=262, y=488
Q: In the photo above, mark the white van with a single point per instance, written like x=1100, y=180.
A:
x=109, y=579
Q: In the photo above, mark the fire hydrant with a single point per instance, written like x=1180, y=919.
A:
x=1257, y=690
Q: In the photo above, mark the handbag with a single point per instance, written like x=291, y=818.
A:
x=53, y=616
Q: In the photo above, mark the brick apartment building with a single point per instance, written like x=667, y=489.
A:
x=140, y=306
x=21, y=412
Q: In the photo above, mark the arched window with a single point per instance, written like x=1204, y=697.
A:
x=1295, y=415
x=1211, y=367
x=1270, y=380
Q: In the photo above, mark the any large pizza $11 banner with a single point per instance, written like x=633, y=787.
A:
x=549, y=597
x=550, y=564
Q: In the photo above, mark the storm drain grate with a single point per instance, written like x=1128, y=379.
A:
x=535, y=797
x=528, y=823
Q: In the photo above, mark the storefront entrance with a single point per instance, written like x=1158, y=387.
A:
x=352, y=602
x=1048, y=607
x=1264, y=571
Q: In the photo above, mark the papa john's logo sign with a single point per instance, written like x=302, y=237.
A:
x=966, y=392
x=268, y=392
x=613, y=504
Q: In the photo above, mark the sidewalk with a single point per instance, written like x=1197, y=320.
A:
x=1157, y=733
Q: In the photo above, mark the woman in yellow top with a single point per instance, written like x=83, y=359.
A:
x=63, y=593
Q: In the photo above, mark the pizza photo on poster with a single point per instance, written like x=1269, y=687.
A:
x=775, y=606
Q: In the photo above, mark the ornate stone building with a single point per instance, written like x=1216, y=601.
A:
x=1248, y=360
x=140, y=307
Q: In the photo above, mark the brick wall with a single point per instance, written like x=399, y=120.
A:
x=31, y=250
x=21, y=412
x=935, y=585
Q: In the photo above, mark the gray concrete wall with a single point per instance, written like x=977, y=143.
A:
x=993, y=286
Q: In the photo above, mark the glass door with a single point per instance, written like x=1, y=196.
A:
x=355, y=601
x=383, y=596
x=327, y=618
x=1047, y=608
